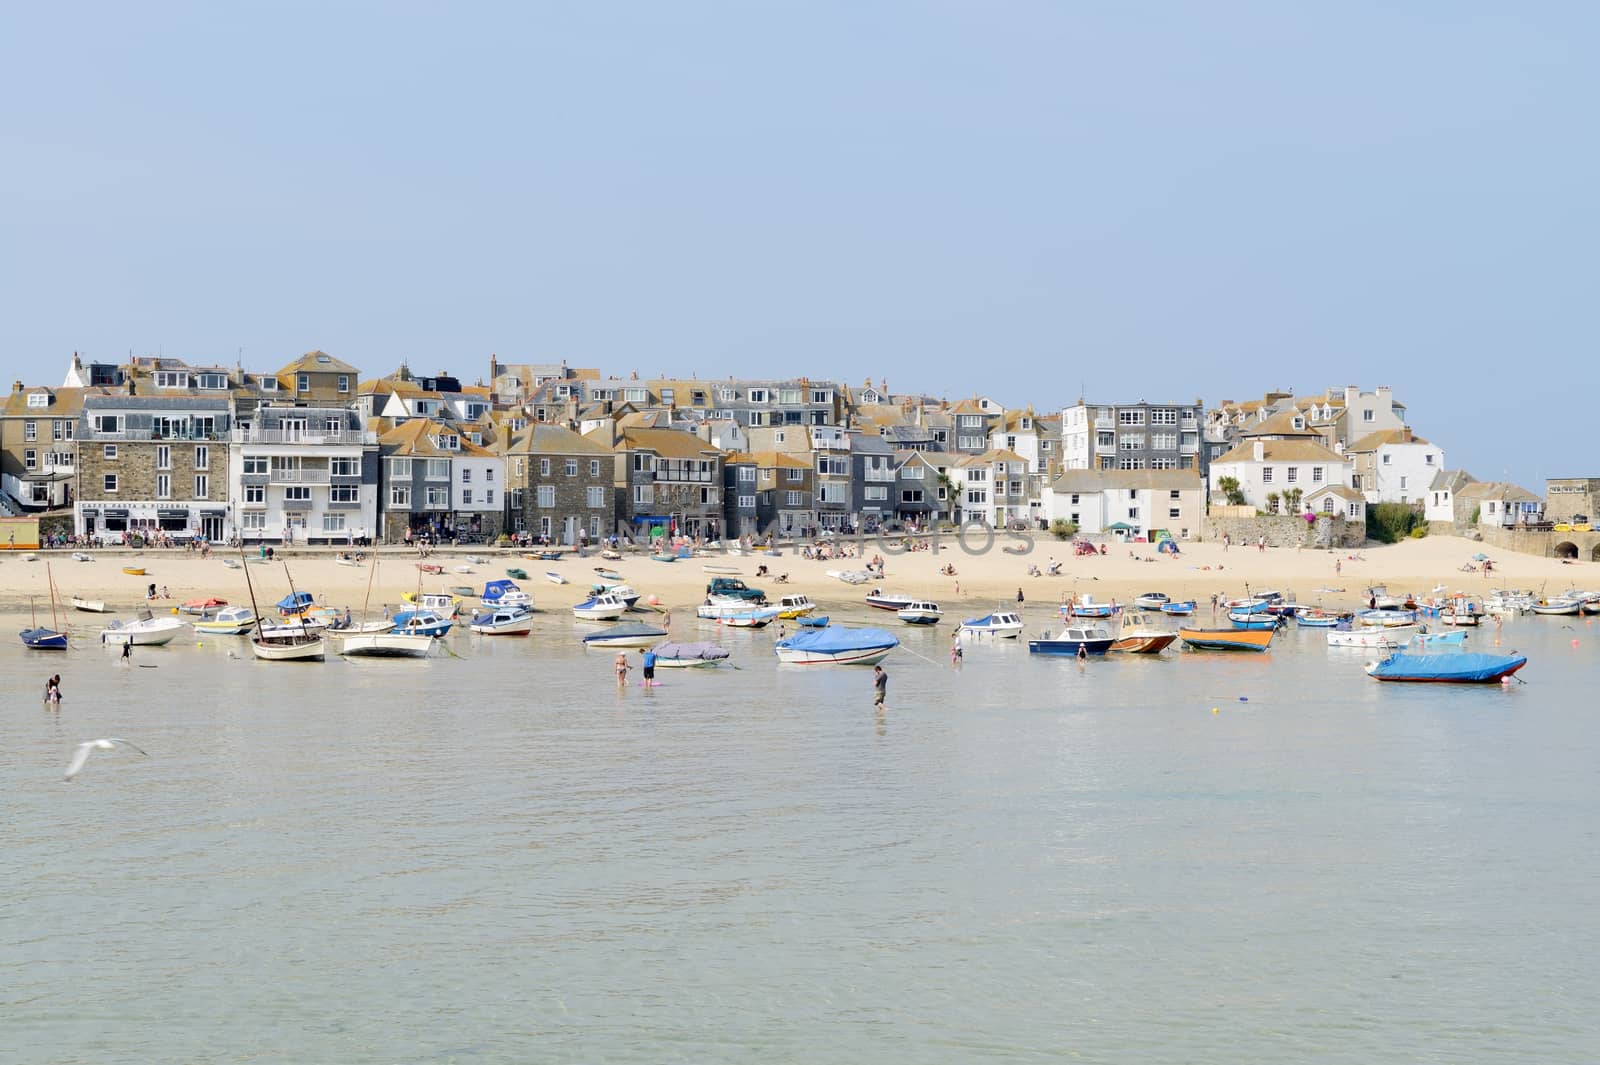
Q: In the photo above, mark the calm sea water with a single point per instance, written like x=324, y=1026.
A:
x=501, y=858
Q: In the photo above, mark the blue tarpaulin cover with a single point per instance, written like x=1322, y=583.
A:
x=1466, y=666
x=837, y=638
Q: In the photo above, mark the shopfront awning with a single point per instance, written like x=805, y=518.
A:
x=116, y=512
x=172, y=513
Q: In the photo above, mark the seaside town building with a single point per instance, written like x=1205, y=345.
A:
x=1572, y=499
x=1394, y=466
x=668, y=482
x=766, y=490
x=1132, y=436
x=39, y=448
x=1131, y=504
x=561, y=484
x=304, y=474
x=438, y=484
x=1440, y=504
x=1273, y=473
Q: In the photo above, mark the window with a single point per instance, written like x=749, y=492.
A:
x=110, y=482
x=668, y=396
x=202, y=485
x=796, y=499
x=438, y=496
x=400, y=495
x=38, y=399
x=1427, y=460
x=30, y=458
x=747, y=474
x=1133, y=512
x=107, y=423
x=546, y=496
x=332, y=523
x=1164, y=441
x=202, y=457
x=344, y=493
x=794, y=475
x=1266, y=475
x=1172, y=512
x=438, y=469
x=877, y=491
x=1386, y=458
x=297, y=493
x=255, y=464
x=643, y=495
x=1368, y=415
x=344, y=383
x=1327, y=504
x=570, y=468
x=466, y=475
x=970, y=443
x=449, y=442
x=594, y=467
x=1130, y=464
x=1316, y=475
x=1164, y=416
x=708, y=496
x=544, y=525
x=595, y=498
x=756, y=417
x=211, y=381
x=1294, y=474
x=1130, y=417
x=110, y=451
x=63, y=430
x=302, y=383
x=163, y=486
x=544, y=467
x=163, y=457
x=30, y=431
x=171, y=379
x=1402, y=486
x=255, y=493
x=466, y=497
x=253, y=520
x=1130, y=442
x=747, y=502
x=759, y=395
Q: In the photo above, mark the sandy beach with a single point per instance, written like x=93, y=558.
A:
x=981, y=581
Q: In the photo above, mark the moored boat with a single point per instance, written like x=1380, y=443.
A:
x=422, y=622
x=882, y=600
x=1182, y=610
x=1444, y=640
x=554, y=578
x=1135, y=639
x=229, y=621
x=1002, y=624
x=1319, y=619
x=850, y=576
x=1093, y=639
x=1381, y=636
x=812, y=621
x=145, y=630
x=294, y=604
x=504, y=621
x=1227, y=639
x=505, y=593
x=448, y=604
x=89, y=606
x=384, y=644
x=1254, y=621
x=133, y=571
x=689, y=655
x=38, y=637
x=602, y=606
x=627, y=634
x=920, y=612
x=1151, y=600
x=1467, y=667
x=721, y=571
x=795, y=606
x=1558, y=607
x=80, y=556
x=204, y=606
x=836, y=645
x=1085, y=607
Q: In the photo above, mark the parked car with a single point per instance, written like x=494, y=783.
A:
x=734, y=588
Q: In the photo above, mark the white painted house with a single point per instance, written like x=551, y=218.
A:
x=1140, y=501
x=1269, y=467
x=1394, y=466
x=1441, y=502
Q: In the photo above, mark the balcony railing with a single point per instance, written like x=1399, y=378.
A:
x=875, y=476
x=299, y=476
x=151, y=434
x=256, y=435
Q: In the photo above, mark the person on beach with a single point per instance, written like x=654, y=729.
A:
x=127, y=650
x=649, y=667
x=880, y=686
x=1338, y=566
x=622, y=670
x=1083, y=652
x=1019, y=595
x=955, y=648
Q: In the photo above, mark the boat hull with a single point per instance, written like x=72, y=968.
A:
x=289, y=649
x=89, y=606
x=1069, y=648
x=864, y=657
x=1461, y=668
x=385, y=645
x=1379, y=637
x=1144, y=643
x=142, y=637
x=1181, y=610
x=919, y=617
x=1227, y=639
x=44, y=639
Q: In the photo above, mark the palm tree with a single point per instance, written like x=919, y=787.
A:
x=947, y=483
x=1229, y=486
x=1272, y=502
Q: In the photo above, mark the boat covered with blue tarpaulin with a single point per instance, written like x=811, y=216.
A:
x=1468, y=667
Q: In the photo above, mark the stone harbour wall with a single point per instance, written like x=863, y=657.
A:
x=1286, y=530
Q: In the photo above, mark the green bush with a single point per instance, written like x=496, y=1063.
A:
x=1388, y=523
x=1062, y=529
x=1419, y=531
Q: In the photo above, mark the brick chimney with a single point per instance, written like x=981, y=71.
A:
x=1405, y=434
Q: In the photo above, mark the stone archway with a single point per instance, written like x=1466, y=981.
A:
x=1566, y=549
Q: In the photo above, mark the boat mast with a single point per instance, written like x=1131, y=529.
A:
x=296, y=597
x=55, y=622
x=370, y=578
x=245, y=564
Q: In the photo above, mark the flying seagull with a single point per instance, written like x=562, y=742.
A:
x=81, y=755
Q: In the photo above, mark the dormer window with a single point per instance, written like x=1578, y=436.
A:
x=1299, y=422
x=171, y=379
x=38, y=399
x=211, y=381
x=268, y=384
x=449, y=442
x=302, y=382
x=344, y=383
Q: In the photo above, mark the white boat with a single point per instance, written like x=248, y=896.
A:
x=1381, y=636
x=627, y=634
x=442, y=603
x=90, y=606
x=689, y=655
x=232, y=563
x=288, y=645
x=750, y=618
x=836, y=646
x=882, y=600
x=384, y=644
x=1387, y=618
x=725, y=571
x=795, y=606
x=920, y=612
x=555, y=578
x=79, y=556
x=621, y=591
x=229, y=621
x=1151, y=600
x=503, y=621
x=602, y=607
x=1558, y=607
x=347, y=560
x=291, y=627
x=1002, y=625
x=145, y=630
x=464, y=569
x=505, y=593
x=850, y=576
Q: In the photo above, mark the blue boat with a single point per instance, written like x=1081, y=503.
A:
x=1318, y=619
x=1449, y=640
x=295, y=604
x=422, y=622
x=836, y=645
x=1182, y=610
x=812, y=621
x=505, y=593
x=1093, y=640
x=42, y=639
x=1254, y=621
x=1468, y=667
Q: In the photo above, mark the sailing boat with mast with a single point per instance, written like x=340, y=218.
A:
x=386, y=644
x=42, y=639
x=284, y=643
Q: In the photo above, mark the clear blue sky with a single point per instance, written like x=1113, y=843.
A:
x=1152, y=200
